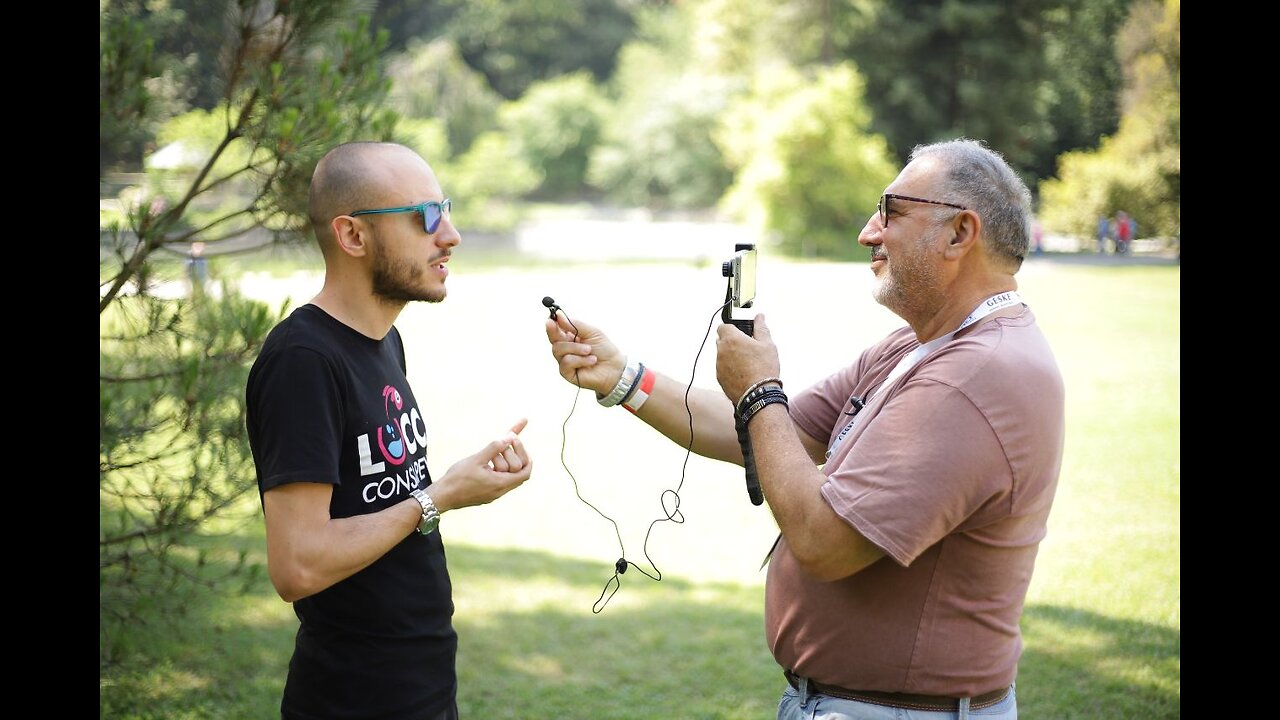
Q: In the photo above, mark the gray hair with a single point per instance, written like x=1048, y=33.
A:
x=984, y=183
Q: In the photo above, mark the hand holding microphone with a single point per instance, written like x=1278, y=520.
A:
x=586, y=357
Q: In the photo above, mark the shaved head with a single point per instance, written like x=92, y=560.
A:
x=354, y=176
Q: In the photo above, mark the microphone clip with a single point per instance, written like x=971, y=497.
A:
x=856, y=403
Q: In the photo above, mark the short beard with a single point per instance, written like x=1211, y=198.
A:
x=913, y=288
x=397, y=281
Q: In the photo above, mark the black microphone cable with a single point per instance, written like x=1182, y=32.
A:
x=614, y=583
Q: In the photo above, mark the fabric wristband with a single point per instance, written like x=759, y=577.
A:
x=641, y=390
x=619, y=391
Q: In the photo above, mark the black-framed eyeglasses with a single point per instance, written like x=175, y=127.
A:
x=883, y=205
x=432, y=212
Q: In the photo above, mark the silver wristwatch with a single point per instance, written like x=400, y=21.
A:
x=430, y=515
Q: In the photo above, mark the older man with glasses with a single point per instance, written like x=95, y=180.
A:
x=352, y=511
x=912, y=486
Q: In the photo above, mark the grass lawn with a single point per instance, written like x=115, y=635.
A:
x=1102, y=625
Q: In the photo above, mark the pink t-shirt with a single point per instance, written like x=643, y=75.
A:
x=951, y=471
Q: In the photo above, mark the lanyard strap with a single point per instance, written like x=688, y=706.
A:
x=985, y=308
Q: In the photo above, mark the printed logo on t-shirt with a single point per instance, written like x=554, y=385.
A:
x=389, y=437
x=400, y=434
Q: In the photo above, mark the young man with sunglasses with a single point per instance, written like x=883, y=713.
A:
x=352, y=512
x=912, y=486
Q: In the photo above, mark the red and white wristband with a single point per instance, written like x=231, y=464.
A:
x=640, y=390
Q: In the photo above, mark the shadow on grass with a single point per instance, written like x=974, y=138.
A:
x=531, y=647
x=1079, y=664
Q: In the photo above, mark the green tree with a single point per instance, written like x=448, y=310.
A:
x=492, y=177
x=1138, y=169
x=133, y=84
x=809, y=170
x=518, y=42
x=413, y=21
x=659, y=147
x=431, y=80
x=297, y=79
x=1081, y=95
x=938, y=69
x=1033, y=79
x=554, y=126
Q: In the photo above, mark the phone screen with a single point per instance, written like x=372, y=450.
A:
x=744, y=278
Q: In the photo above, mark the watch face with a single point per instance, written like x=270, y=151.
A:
x=430, y=525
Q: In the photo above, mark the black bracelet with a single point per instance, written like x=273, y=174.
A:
x=759, y=395
x=742, y=401
x=766, y=394
x=751, y=397
x=762, y=403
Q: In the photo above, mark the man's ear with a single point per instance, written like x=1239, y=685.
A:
x=966, y=227
x=350, y=236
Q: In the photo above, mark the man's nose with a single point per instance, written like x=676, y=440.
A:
x=871, y=232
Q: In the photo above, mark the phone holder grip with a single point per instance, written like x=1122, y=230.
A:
x=745, y=325
x=748, y=461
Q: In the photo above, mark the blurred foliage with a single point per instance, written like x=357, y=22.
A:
x=431, y=80
x=665, y=156
x=1035, y=80
x=1137, y=170
x=429, y=138
x=136, y=82
x=1081, y=95
x=296, y=78
x=411, y=21
x=809, y=170
x=174, y=459
x=1032, y=79
x=516, y=43
x=740, y=36
x=489, y=181
x=554, y=127
x=658, y=148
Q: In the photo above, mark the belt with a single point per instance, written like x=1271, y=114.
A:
x=907, y=701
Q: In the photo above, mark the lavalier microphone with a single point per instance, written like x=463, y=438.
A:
x=551, y=305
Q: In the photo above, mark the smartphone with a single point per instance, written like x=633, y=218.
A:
x=742, y=270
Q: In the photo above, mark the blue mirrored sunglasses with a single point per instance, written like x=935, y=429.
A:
x=432, y=212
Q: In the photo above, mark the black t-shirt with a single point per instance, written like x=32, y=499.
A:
x=327, y=404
